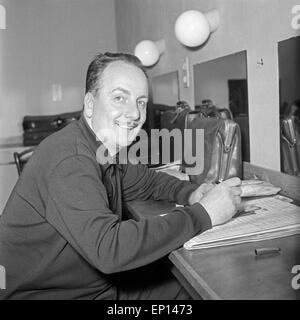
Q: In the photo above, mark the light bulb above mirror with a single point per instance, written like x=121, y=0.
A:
x=149, y=51
x=192, y=28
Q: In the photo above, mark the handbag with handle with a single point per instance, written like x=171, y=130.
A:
x=222, y=148
x=290, y=145
x=222, y=143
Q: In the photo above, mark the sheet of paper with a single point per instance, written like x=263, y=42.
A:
x=275, y=218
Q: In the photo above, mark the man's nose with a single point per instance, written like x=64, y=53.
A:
x=133, y=112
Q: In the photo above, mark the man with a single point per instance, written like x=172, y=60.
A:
x=62, y=234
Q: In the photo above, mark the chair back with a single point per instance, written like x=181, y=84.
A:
x=21, y=158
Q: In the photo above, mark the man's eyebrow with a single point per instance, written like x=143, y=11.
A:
x=143, y=96
x=128, y=92
x=121, y=89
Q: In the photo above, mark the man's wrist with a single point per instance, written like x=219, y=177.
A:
x=202, y=217
x=194, y=197
x=184, y=193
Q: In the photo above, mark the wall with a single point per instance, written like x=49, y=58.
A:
x=49, y=42
x=255, y=26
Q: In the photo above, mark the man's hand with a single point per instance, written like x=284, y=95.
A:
x=222, y=201
x=198, y=194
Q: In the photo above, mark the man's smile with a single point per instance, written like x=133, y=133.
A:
x=127, y=125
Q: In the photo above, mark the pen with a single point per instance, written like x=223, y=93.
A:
x=243, y=214
x=262, y=251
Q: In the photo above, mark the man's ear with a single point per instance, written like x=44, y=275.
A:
x=89, y=101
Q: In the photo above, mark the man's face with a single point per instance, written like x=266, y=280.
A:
x=119, y=106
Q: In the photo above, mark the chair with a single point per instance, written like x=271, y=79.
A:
x=21, y=158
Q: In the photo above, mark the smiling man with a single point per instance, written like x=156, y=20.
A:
x=116, y=108
x=62, y=232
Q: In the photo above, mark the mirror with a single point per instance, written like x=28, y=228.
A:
x=289, y=104
x=164, y=91
x=165, y=88
x=223, y=83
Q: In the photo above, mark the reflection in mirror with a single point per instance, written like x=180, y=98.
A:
x=164, y=91
x=223, y=83
x=165, y=88
x=289, y=96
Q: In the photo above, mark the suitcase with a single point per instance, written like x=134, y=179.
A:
x=153, y=121
x=37, y=128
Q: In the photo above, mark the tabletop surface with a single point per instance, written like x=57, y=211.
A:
x=235, y=272
x=232, y=272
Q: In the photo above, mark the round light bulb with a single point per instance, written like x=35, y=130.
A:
x=192, y=28
x=147, y=52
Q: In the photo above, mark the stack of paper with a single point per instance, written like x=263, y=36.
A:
x=254, y=188
x=274, y=219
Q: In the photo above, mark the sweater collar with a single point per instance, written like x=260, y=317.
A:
x=89, y=134
x=94, y=142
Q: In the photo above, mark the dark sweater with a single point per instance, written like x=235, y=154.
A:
x=62, y=232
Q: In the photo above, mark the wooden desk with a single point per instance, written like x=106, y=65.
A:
x=232, y=272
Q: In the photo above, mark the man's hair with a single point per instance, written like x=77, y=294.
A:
x=101, y=61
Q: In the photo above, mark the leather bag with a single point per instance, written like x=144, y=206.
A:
x=290, y=145
x=222, y=143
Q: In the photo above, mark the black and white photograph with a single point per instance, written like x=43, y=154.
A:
x=150, y=153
